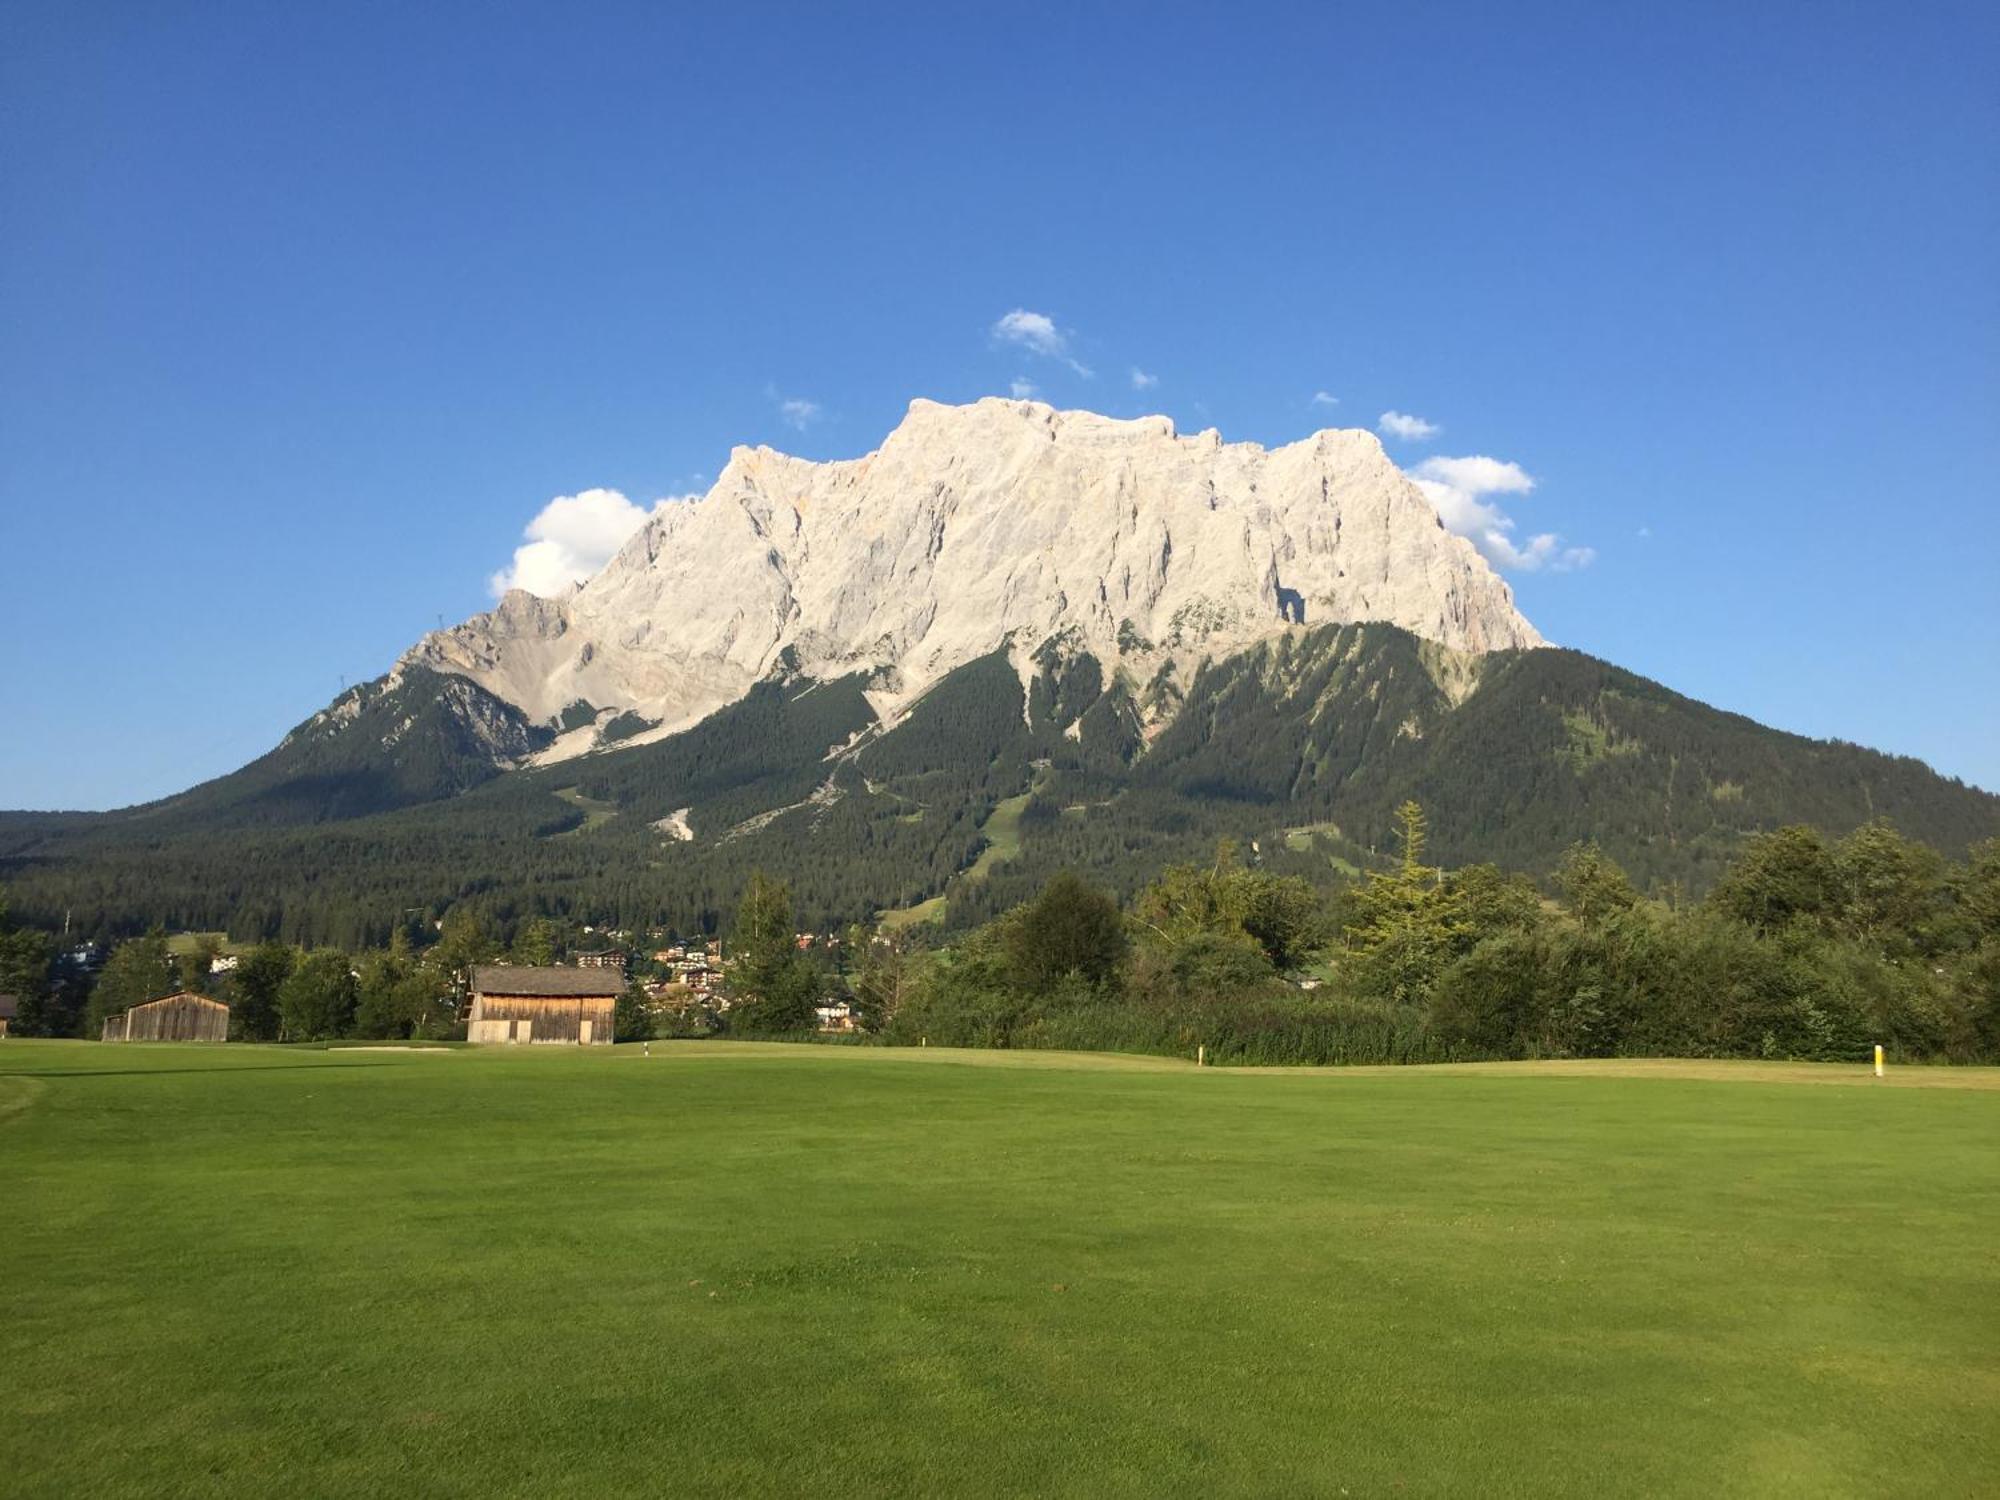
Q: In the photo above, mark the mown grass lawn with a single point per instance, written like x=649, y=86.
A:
x=734, y=1270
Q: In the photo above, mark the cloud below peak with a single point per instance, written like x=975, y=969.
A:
x=1477, y=474
x=570, y=540
x=1459, y=488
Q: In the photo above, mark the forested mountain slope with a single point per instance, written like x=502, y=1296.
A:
x=1300, y=747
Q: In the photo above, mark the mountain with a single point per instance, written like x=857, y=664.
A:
x=1009, y=641
x=973, y=529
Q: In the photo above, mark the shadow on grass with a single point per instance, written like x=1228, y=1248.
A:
x=164, y=1072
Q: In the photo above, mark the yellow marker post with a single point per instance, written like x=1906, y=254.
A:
x=1878, y=1059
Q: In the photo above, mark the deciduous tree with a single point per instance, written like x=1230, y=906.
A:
x=253, y=990
x=316, y=1001
x=138, y=970
x=1069, y=928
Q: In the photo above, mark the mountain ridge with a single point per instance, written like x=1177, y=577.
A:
x=996, y=523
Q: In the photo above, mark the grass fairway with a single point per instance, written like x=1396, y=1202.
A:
x=736, y=1270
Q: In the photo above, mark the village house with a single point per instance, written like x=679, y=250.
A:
x=837, y=1015
x=679, y=1003
x=185, y=1017
x=600, y=958
x=534, y=1003
x=699, y=973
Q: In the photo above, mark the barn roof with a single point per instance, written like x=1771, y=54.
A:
x=551, y=980
x=183, y=995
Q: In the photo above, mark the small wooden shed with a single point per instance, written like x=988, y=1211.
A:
x=185, y=1017
x=10, y=1011
x=538, y=1003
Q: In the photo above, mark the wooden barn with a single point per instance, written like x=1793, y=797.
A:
x=524, y=1003
x=186, y=1017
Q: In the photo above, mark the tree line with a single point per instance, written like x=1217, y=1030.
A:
x=1806, y=947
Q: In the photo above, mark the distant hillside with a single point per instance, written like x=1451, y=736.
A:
x=1300, y=746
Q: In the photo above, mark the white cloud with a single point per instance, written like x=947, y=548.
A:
x=1410, y=429
x=1037, y=333
x=571, y=539
x=799, y=412
x=1543, y=551
x=1141, y=381
x=1324, y=398
x=1024, y=390
x=1459, y=488
x=1478, y=475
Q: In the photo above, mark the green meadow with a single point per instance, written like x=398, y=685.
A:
x=734, y=1269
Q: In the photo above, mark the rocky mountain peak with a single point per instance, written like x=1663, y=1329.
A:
x=999, y=524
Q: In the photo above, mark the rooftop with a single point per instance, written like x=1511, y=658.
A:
x=552, y=980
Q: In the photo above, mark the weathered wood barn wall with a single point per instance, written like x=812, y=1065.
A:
x=522, y=1003
x=186, y=1017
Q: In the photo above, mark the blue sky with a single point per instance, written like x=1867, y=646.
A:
x=305, y=312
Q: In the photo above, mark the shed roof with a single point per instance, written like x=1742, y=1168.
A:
x=551, y=980
x=183, y=995
x=10, y=1007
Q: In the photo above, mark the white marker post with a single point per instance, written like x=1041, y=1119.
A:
x=1201, y=1057
x=1878, y=1059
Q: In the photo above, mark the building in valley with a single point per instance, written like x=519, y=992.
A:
x=543, y=1003
x=185, y=1017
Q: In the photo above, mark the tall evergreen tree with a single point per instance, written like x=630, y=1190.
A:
x=632, y=1018
x=536, y=943
x=773, y=985
x=1405, y=927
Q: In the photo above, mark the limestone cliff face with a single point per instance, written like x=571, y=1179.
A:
x=999, y=524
